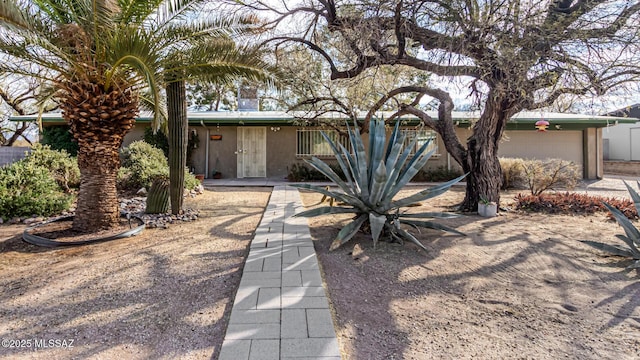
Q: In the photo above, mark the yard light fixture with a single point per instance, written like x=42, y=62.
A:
x=542, y=125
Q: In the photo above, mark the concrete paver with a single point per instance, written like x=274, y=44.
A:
x=281, y=310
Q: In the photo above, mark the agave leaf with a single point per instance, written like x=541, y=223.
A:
x=632, y=246
x=373, y=125
x=392, y=141
x=348, y=199
x=361, y=162
x=397, y=170
x=634, y=196
x=341, y=161
x=612, y=249
x=377, y=224
x=432, y=215
x=431, y=225
x=634, y=265
x=426, y=194
x=351, y=162
x=377, y=183
x=326, y=210
x=626, y=224
x=377, y=150
x=327, y=171
x=348, y=231
x=407, y=236
x=412, y=169
x=419, y=157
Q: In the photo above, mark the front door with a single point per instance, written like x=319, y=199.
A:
x=252, y=151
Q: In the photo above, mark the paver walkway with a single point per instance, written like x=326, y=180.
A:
x=281, y=310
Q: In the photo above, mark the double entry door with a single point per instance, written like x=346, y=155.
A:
x=252, y=152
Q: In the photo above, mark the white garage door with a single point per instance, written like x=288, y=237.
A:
x=566, y=145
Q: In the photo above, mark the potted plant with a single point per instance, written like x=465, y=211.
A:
x=215, y=173
x=487, y=208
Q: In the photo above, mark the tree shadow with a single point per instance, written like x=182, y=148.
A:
x=492, y=287
x=162, y=294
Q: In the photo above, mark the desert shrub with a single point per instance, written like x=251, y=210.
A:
x=59, y=138
x=190, y=181
x=573, y=203
x=439, y=174
x=301, y=173
x=513, y=176
x=142, y=163
x=550, y=174
x=62, y=167
x=28, y=189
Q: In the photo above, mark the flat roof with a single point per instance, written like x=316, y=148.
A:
x=521, y=121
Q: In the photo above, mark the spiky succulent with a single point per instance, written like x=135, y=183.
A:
x=373, y=178
x=632, y=237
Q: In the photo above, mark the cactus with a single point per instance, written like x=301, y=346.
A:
x=158, y=197
x=177, y=136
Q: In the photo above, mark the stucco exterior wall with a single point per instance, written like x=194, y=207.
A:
x=582, y=147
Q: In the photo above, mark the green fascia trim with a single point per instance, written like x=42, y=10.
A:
x=522, y=121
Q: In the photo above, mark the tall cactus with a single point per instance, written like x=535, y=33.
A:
x=158, y=197
x=177, y=135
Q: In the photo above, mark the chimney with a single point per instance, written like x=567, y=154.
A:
x=248, y=98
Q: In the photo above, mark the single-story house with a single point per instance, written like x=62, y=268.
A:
x=622, y=142
x=266, y=144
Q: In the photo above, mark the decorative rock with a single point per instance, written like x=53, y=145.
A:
x=1, y=221
x=15, y=220
x=142, y=191
x=32, y=220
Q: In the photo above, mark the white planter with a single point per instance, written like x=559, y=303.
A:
x=488, y=210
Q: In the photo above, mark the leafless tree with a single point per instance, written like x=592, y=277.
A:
x=513, y=55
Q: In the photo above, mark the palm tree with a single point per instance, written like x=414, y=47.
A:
x=99, y=58
x=104, y=58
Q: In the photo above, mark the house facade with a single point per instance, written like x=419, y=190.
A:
x=267, y=144
x=622, y=142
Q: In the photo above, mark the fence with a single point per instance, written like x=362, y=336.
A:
x=9, y=154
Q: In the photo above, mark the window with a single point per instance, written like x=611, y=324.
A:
x=422, y=137
x=312, y=143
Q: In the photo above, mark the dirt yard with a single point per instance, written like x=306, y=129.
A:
x=165, y=294
x=518, y=286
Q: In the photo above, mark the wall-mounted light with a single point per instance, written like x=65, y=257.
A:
x=275, y=128
x=542, y=125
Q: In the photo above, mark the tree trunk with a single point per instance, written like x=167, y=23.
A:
x=98, y=120
x=482, y=164
x=177, y=121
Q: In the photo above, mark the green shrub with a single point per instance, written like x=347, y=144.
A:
x=301, y=173
x=59, y=138
x=439, y=174
x=142, y=163
x=27, y=189
x=158, y=140
x=374, y=178
x=60, y=165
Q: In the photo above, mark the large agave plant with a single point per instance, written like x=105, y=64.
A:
x=373, y=178
x=632, y=238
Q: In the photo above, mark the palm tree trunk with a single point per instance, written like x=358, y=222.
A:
x=177, y=121
x=98, y=121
